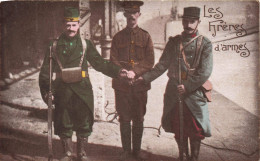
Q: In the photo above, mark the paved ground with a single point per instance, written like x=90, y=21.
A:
x=231, y=72
x=23, y=128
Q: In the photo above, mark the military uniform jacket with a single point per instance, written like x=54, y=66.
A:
x=136, y=46
x=69, y=55
x=193, y=97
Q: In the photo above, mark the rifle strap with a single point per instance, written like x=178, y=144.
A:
x=54, y=45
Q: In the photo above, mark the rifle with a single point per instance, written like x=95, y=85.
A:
x=50, y=110
x=180, y=99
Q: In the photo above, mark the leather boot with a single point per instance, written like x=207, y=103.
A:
x=195, y=149
x=67, y=149
x=186, y=155
x=125, y=131
x=137, y=134
x=81, y=148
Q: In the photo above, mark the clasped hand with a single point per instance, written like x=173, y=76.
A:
x=130, y=77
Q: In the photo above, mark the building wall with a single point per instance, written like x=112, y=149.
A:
x=27, y=28
x=155, y=15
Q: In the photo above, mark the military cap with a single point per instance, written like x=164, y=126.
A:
x=71, y=14
x=132, y=6
x=191, y=12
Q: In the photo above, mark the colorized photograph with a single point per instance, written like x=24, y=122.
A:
x=129, y=80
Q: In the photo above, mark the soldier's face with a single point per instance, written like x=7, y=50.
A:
x=190, y=25
x=132, y=18
x=71, y=28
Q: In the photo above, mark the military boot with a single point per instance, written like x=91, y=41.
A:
x=125, y=130
x=195, y=149
x=81, y=148
x=137, y=134
x=67, y=149
x=186, y=155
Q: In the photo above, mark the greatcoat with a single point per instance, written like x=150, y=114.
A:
x=69, y=52
x=194, y=98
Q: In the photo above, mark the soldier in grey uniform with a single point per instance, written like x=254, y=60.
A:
x=197, y=50
x=132, y=49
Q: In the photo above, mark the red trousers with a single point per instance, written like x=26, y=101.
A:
x=191, y=129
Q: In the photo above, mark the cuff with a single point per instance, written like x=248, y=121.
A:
x=137, y=72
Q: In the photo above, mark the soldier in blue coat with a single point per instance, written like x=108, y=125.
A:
x=73, y=101
x=196, y=116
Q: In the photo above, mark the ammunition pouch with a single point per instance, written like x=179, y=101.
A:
x=206, y=89
x=71, y=75
x=74, y=74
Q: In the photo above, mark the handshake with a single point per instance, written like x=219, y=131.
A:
x=129, y=76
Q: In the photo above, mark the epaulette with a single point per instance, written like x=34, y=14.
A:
x=120, y=32
x=144, y=30
x=207, y=40
x=177, y=37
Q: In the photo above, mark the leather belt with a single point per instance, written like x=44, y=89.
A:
x=132, y=63
x=84, y=74
x=184, y=75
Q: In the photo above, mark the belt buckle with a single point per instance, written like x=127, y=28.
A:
x=132, y=63
x=184, y=75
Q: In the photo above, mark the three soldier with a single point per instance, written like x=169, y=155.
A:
x=131, y=54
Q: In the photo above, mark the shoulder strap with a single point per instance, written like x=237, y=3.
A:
x=84, y=45
x=54, y=46
x=191, y=41
x=184, y=56
x=196, y=60
x=188, y=66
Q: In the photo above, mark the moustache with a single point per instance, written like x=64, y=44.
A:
x=188, y=29
x=71, y=31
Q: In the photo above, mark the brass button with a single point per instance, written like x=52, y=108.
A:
x=132, y=42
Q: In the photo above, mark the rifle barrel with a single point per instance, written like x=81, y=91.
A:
x=50, y=109
x=180, y=109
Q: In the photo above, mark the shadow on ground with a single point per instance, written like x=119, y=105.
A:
x=19, y=144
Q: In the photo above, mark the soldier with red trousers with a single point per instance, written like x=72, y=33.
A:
x=196, y=67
